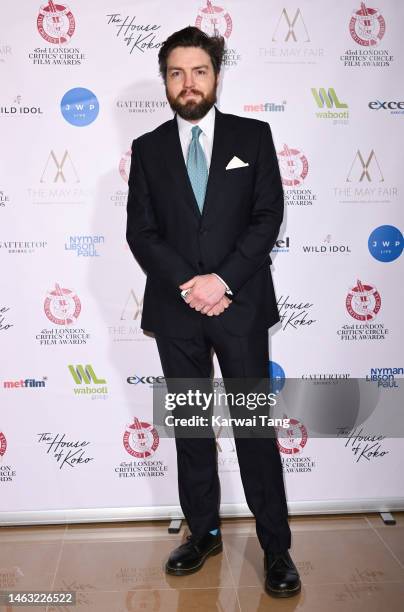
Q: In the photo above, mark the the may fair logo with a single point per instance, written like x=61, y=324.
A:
x=67, y=453
x=292, y=445
x=7, y=472
x=137, y=36
x=127, y=327
x=59, y=181
x=141, y=440
x=216, y=21
x=365, y=181
x=62, y=307
x=56, y=25
x=291, y=40
x=363, y=303
x=367, y=28
x=294, y=315
x=294, y=168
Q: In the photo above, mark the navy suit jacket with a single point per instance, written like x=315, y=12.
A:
x=233, y=236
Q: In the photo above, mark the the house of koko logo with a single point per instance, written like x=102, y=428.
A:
x=19, y=108
x=328, y=99
x=56, y=25
x=291, y=40
x=363, y=304
x=7, y=472
x=386, y=243
x=79, y=106
x=4, y=323
x=137, y=36
x=66, y=453
x=367, y=28
x=294, y=168
x=294, y=314
x=365, y=181
x=327, y=247
x=215, y=20
x=292, y=446
x=87, y=382
x=62, y=306
x=58, y=180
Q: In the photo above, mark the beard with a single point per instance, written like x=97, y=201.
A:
x=192, y=110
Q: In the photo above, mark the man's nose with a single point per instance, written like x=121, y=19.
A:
x=188, y=79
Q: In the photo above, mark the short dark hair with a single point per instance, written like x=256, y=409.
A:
x=192, y=37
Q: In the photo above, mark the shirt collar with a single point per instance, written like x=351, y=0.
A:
x=207, y=124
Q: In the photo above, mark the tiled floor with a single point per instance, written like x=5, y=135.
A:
x=347, y=563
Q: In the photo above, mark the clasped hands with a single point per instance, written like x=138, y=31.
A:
x=206, y=294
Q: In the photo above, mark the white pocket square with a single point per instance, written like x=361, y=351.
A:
x=236, y=162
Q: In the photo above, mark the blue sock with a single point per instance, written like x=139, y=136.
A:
x=214, y=531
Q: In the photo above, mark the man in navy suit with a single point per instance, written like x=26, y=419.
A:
x=205, y=206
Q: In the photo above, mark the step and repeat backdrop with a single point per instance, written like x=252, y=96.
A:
x=79, y=81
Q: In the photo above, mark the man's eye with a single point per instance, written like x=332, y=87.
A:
x=201, y=71
x=174, y=74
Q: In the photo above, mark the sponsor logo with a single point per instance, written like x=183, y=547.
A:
x=266, y=107
x=293, y=439
x=3, y=444
x=79, y=106
x=385, y=377
x=59, y=169
x=364, y=447
x=88, y=382
x=5, y=53
x=328, y=247
x=366, y=181
x=56, y=23
x=141, y=106
x=137, y=36
x=25, y=383
x=395, y=108
x=282, y=245
x=84, y=246
x=23, y=247
x=128, y=327
x=277, y=376
x=4, y=325
x=367, y=28
x=294, y=168
x=291, y=41
x=216, y=21
x=7, y=474
x=17, y=108
x=140, y=439
x=66, y=453
x=363, y=302
x=4, y=199
x=62, y=306
x=329, y=99
x=386, y=243
x=294, y=315
x=145, y=380
x=124, y=167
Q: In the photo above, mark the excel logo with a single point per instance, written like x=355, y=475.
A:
x=85, y=375
x=329, y=99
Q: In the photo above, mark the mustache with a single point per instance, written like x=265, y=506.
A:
x=185, y=91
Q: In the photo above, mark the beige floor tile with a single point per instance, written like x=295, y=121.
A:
x=28, y=565
x=394, y=539
x=321, y=557
x=157, y=600
x=376, y=521
x=133, y=530
x=328, y=598
x=32, y=533
x=123, y=565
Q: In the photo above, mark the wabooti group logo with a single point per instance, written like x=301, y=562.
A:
x=294, y=168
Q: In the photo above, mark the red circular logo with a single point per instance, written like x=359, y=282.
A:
x=3, y=444
x=367, y=26
x=293, y=166
x=55, y=23
x=140, y=439
x=214, y=20
x=62, y=306
x=293, y=439
x=124, y=165
x=363, y=302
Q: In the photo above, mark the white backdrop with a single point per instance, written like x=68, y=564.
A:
x=327, y=77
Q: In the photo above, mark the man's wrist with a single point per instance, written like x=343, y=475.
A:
x=228, y=290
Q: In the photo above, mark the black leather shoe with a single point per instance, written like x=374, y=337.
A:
x=190, y=556
x=282, y=578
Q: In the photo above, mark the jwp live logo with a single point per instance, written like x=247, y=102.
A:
x=88, y=382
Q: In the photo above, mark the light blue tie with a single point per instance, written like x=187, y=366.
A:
x=197, y=167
